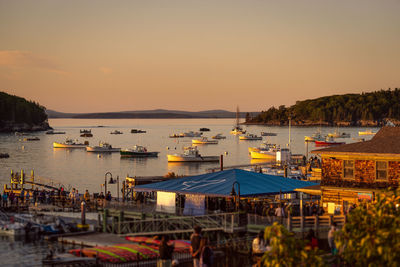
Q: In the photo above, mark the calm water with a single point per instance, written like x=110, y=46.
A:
x=85, y=170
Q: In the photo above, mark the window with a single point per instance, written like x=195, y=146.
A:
x=348, y=169
x=381, y=170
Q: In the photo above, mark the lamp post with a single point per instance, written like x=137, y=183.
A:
x=105, y=182
x=233, y=193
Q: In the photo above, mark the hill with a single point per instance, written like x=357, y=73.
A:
x=19, y=114
x=366, y=109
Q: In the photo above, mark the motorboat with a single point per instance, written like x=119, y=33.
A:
x=367, y=132
x=116, y=132
x=176, y=135
x=218, y=136
x=191, y=154
x=69, y=143
x=204, y=141
x=263, y=147
x=102, y=147
x=204, y=130
x=84, y=131
x=329, y=141
x=263, y=154
x=250, y=137
x=138, y=151
x=54, y=132
x=14, y=229
x=314, y=137
x=238, y=130
x=87, y=135
x=137, y=131
x=338, y=134
x=192, y=134
x=268, y=134
x=32, y=139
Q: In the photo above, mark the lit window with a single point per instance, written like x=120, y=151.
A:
x=381, y=170
x=348, y=169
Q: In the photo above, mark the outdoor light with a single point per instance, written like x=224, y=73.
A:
x=112, y=181
x=233, y=192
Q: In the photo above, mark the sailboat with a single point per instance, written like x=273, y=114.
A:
x=237, y=129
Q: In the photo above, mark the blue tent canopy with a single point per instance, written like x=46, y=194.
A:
x=220, y=184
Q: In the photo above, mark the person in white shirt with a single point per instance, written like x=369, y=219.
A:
x=259, y=248
x=279, y=213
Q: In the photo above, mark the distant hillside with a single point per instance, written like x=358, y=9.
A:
x=148, y=114
x=366, y=109
x=19, y=114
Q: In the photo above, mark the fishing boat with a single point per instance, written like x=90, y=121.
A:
x=250, y=137
x=338, y=134
x=314, y=137
x=367, y=132
x=237, y=129
x=264, y=154
x=116, y=132
x=192, y=134
x=204, y=141
x=268, y=134
x=218, y=136
x=191, y=154
x=137, y=131
x=329, y=141
x=54, y=132
x=69, y=143
x=32, y=139
x=263, y=147
x=102, y=147
x=176, y=135
x=138, y=151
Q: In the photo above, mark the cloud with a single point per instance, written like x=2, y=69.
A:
x=106, y=70
x=25, y=59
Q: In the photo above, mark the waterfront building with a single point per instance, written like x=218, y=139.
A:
x=353, y=173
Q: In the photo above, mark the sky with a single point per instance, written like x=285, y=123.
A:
x=98, y=56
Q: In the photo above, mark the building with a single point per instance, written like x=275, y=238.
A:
x=356, y=172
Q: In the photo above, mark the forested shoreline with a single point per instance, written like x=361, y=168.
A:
x=19, y=114
x=366, y=109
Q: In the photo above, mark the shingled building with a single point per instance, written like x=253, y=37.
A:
x=355, y=172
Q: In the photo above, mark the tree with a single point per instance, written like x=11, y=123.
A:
x=287, y=250
x=371, y=235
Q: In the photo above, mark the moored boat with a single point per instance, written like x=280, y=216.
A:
x=218, y=136
x=191, y=154
x=204, y=130
x=367, y=132
x=204, y=141
x=138, y=151
x=250, y=137
x=116, y=132
x=328, y=142
x=69, y=143
x=84, y=131
x=176, y=135
x=137, y=131
x=263, y=154
x=32, y=139
x=237, y=130
x=54, y=132
x=102, y=147
x=338, y=134
x=314, y=137
x=268, y=134
x=192, y=134
x=263, y=147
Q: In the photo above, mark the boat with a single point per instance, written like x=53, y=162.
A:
x=367, y=132
x=116, y=132
x=84, y=131
x=32, y=139
x=204, y=130
x=218, y=136
x=54, y=132
x=191, y=154
x=314, y=137
x=137, y=131
x=263, y=147
x=69, y=143
x=338, y=134
x=237, y=129
x=263, y=154
x=268, y=134
x=329, y=141
x=192, y=134
x=176, y=135
x=250, y=137
x=204, y=141
x=138, y=151
x=102, y=147
x=14, y=229
x=87, y=135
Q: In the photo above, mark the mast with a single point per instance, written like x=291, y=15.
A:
x=237, y=116
x=290, y=124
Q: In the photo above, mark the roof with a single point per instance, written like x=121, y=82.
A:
x=220, y=184
x=385, y=141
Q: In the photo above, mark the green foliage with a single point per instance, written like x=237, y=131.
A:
x=287, y=250
x=17, y=109
x=373, y=106
x=371, y=235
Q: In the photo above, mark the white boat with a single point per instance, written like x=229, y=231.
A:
x=263, y=147
x=102, y=147
x=191, y=154
x=192, y=134
x=338, y=134
x=69, y=143
x=268, y=134
x=138, y=151
x=237, y=129
x=250, y=137
x=315, y=137
x=12, y=229
x=204, y=141
x=367, y=132
x=116, y=132
x=218, y=136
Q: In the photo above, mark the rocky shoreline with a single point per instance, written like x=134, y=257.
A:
x=361, y=123
x=11, y=127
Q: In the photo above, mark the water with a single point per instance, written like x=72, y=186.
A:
x=84, y=170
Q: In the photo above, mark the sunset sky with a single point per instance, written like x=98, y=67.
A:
x=91, y=56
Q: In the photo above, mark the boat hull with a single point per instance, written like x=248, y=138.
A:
x=101, y=150
x=249, y=138
x=209, y=142
x=263, y=155
x=326, y=143
x=180, y=158
x=133, y=154
x=61, y=145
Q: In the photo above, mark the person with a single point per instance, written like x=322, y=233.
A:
x=206, y=253
x=258, y=248
x=165, y=252
x=279, y=213
x=108, y=196
x=86, y=196
x=71, y=196
x=331, y=240
x=312, y=241
x=195, y=246
x=5, y=199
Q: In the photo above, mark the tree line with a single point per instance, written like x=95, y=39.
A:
x=19, y=110
x=349, y=108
